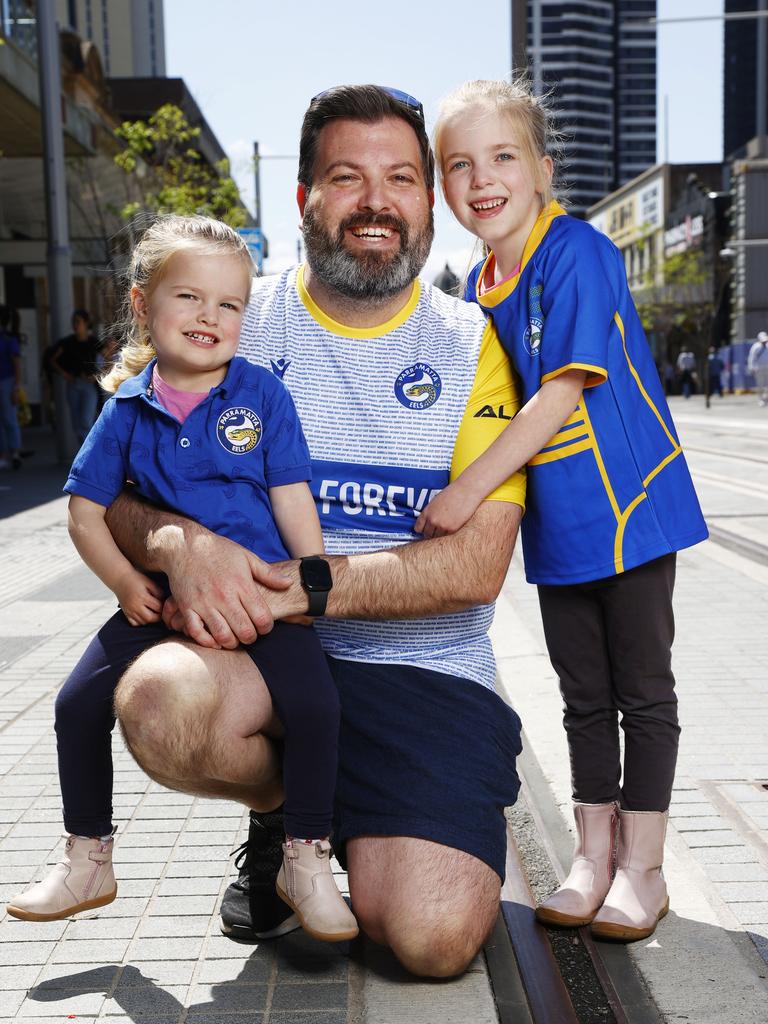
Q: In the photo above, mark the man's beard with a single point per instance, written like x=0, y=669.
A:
x=374, y=276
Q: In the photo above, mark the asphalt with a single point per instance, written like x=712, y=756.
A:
x=156, y=955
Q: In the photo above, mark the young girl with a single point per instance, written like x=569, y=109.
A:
x=610, y=499
x=204, y=433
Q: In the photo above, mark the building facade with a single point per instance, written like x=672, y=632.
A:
x=596, y=60
x=130, y=34
x=740, y=79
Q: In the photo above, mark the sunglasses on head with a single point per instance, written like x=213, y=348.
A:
x=404, y=98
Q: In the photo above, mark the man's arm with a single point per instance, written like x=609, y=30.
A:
x=212, y=579
x=446, y=574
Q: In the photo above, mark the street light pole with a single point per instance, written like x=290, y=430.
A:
x=60, y=296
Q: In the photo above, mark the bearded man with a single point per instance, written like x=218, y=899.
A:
x=398, y=386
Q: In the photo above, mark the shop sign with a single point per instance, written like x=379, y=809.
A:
x=684, y=235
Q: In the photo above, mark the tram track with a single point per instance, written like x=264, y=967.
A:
x=553, y=976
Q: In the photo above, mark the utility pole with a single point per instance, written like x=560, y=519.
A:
x=60, y=296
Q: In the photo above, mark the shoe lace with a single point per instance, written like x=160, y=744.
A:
x=243, y=856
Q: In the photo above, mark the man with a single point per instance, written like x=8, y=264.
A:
x=396, y=385
x=715, y=367
x=757, y=364
x=686, y=367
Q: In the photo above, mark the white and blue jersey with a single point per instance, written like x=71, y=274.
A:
x=390, y=413
x=216, y=467
x=611, y=490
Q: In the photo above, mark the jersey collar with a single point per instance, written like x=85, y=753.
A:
x=355, y=332
x=542, y=225
x=141, y=384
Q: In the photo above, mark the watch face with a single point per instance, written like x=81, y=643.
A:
x=316, y=574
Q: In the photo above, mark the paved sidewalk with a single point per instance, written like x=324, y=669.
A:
x=155, y=955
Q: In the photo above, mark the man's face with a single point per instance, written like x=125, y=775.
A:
x=368, y=223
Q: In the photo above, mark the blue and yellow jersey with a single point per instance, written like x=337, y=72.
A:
x=611, y=490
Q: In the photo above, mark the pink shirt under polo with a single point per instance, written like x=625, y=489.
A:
x=178, y=403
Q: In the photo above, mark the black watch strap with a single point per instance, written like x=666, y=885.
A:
x=315, y=574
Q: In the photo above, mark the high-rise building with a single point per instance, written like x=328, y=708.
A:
x=130, y=34
x=739, y=78
x=596, y=59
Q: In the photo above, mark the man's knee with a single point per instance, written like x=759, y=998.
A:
x=429, y=945
x=163, y=697
x=433, y=906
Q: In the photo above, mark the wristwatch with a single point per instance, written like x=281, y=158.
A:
x=315, y=575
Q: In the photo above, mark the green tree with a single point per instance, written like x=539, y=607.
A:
x=168, y=174
x=683, y=305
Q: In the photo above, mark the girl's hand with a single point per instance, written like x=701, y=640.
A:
x=140, y=598
x=447, y=512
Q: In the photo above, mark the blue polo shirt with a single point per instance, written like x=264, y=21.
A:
x=611, y=490
x=216, y=467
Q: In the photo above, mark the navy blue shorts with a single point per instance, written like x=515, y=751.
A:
x=424, y=754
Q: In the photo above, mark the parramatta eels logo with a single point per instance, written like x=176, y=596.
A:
x=418, y=386
x=239, y=430
x=532, y=336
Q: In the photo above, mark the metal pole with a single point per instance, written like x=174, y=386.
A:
x=257, y=185
x=60, y=295
x=762, y=82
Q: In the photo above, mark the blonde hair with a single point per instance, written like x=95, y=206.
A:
x=528, y=114
x=167, y=236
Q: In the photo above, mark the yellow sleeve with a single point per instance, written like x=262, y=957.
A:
x=493, y=401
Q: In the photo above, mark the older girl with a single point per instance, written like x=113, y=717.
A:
x=610, y=499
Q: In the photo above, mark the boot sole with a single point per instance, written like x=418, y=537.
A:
x=241, y=933
x=29, y=915
x=351, y=933
x=623, y=933
x=557, y=920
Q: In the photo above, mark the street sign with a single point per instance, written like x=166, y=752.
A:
x=254, y=239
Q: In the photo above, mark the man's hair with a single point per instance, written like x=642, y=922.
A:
x=367, y=103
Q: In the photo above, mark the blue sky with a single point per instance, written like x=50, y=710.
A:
x=254, y=65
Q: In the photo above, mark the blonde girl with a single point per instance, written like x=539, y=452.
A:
x=610, y=500
x=197, y=430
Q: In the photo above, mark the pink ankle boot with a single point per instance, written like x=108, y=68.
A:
x=82, y=880
x=638, y=898
x=578, y=899
x=306, y=883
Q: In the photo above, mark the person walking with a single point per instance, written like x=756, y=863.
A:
x=686, y=366
x=715, y=368
x=10, y=385
x=757, y=364
x=76, y=360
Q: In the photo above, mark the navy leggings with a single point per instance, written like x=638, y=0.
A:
x=303, y=693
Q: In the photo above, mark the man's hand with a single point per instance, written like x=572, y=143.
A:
x=448, y=511
x=217, y=587
x=140, y=598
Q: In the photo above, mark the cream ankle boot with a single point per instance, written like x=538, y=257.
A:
x=82, y=881
x=305, y=882
x=583, y=891
x=638, y=896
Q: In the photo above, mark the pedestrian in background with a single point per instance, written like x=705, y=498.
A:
x=686, y=367
x=10, y=385
x=715, y=368
x=76, y=359
x=757, y=364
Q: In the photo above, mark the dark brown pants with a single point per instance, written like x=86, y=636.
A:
x=610, y=643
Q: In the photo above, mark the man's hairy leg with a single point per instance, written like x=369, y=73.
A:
x=433, y=905
x=200, y=721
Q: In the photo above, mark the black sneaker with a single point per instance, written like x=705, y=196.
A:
x=251, y=909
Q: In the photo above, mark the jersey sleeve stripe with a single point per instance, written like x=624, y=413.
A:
x=595, y=374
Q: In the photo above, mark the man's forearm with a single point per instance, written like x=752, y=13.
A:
x=447, y=574
x=145, y=534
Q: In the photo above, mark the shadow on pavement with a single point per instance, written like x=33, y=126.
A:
x=40, y=478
